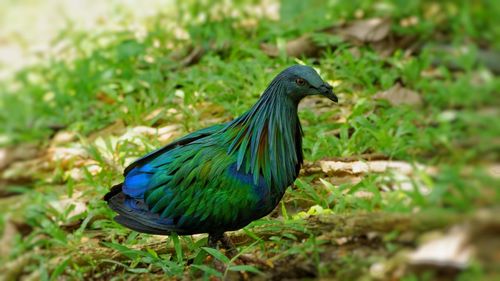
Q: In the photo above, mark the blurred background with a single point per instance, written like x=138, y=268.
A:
x=401, y=179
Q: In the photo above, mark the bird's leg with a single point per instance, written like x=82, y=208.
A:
x=213, y=238
x=228, y=245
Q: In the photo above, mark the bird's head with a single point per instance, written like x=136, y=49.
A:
x=301, y=81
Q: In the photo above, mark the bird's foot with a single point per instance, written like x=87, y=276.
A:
x=213, y=240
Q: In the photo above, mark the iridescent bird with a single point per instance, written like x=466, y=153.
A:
x=223, y=177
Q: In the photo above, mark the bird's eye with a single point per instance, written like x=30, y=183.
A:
x=300, y=81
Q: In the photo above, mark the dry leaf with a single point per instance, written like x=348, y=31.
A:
x=350, y=179
x=63, y=137
x=162, y=133
x=116, y=128
x=8, y=235
x=16, y=153
x=210, y=110
x=402, y=174
x=166, y=133
x=494, y=170
x=270, y=49
x=364, y=167
x=342, y=240
x=4, y=158
x=191, y=57
x=398, y=95
x=78, y=173
x=317, y=104
x=363, y=194
x=301, y=46
x=105, y=98
x=66, y=156
x=24, y=171
x=363, y=31
x=154, y=114
x=65, y=202
x=369, y=30
x=378, y=270
x=485, y=235
x=448, y=251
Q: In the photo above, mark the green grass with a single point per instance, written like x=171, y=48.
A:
x=103, y=77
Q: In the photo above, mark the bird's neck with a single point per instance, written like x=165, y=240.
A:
x=268, y=139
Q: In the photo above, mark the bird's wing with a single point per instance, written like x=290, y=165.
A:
x=189, y=186
x=197, y=189
x=133, y=213
x=128, y=198
x=182, y=141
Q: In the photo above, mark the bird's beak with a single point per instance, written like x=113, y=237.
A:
x=327, y=91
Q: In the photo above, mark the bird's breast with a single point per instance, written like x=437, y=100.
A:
x=267, y=195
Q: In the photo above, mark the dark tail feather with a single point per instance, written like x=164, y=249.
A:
x=134, y=214
x=138, y=226
x=113, y=191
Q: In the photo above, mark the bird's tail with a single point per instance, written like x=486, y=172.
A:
x=112, y=192
x=134, y=214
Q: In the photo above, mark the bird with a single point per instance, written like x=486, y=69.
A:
x=225, y=176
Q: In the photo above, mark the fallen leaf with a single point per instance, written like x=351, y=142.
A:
x=185, y=59
x=7, y=238
x=368, y=30
x=317, y=104
x=398, y=95
x=361, y=31
x=142, y=130
x=155, y=114
x=494, y=170
x=163, y=133
x=379, y=270
x=363, y=194
x=65, y=202
x=364, y=167
x=301, y=46
x=78, y=173
x=350, y=179
x=210, y=110
x=66, y=156
x=166, y=133
x=16, y=153
x=63, y=137
x=485, y=236
x=401, y=174
x=116, y=128
x=105, y=98
x=4, y=158
x=24, y=171
x=448, y=251
x=341, y=240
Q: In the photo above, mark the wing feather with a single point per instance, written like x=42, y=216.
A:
x=182, y=141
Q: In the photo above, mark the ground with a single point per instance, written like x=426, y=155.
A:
x=401, y=179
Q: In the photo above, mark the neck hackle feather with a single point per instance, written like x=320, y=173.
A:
x=269, y=138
